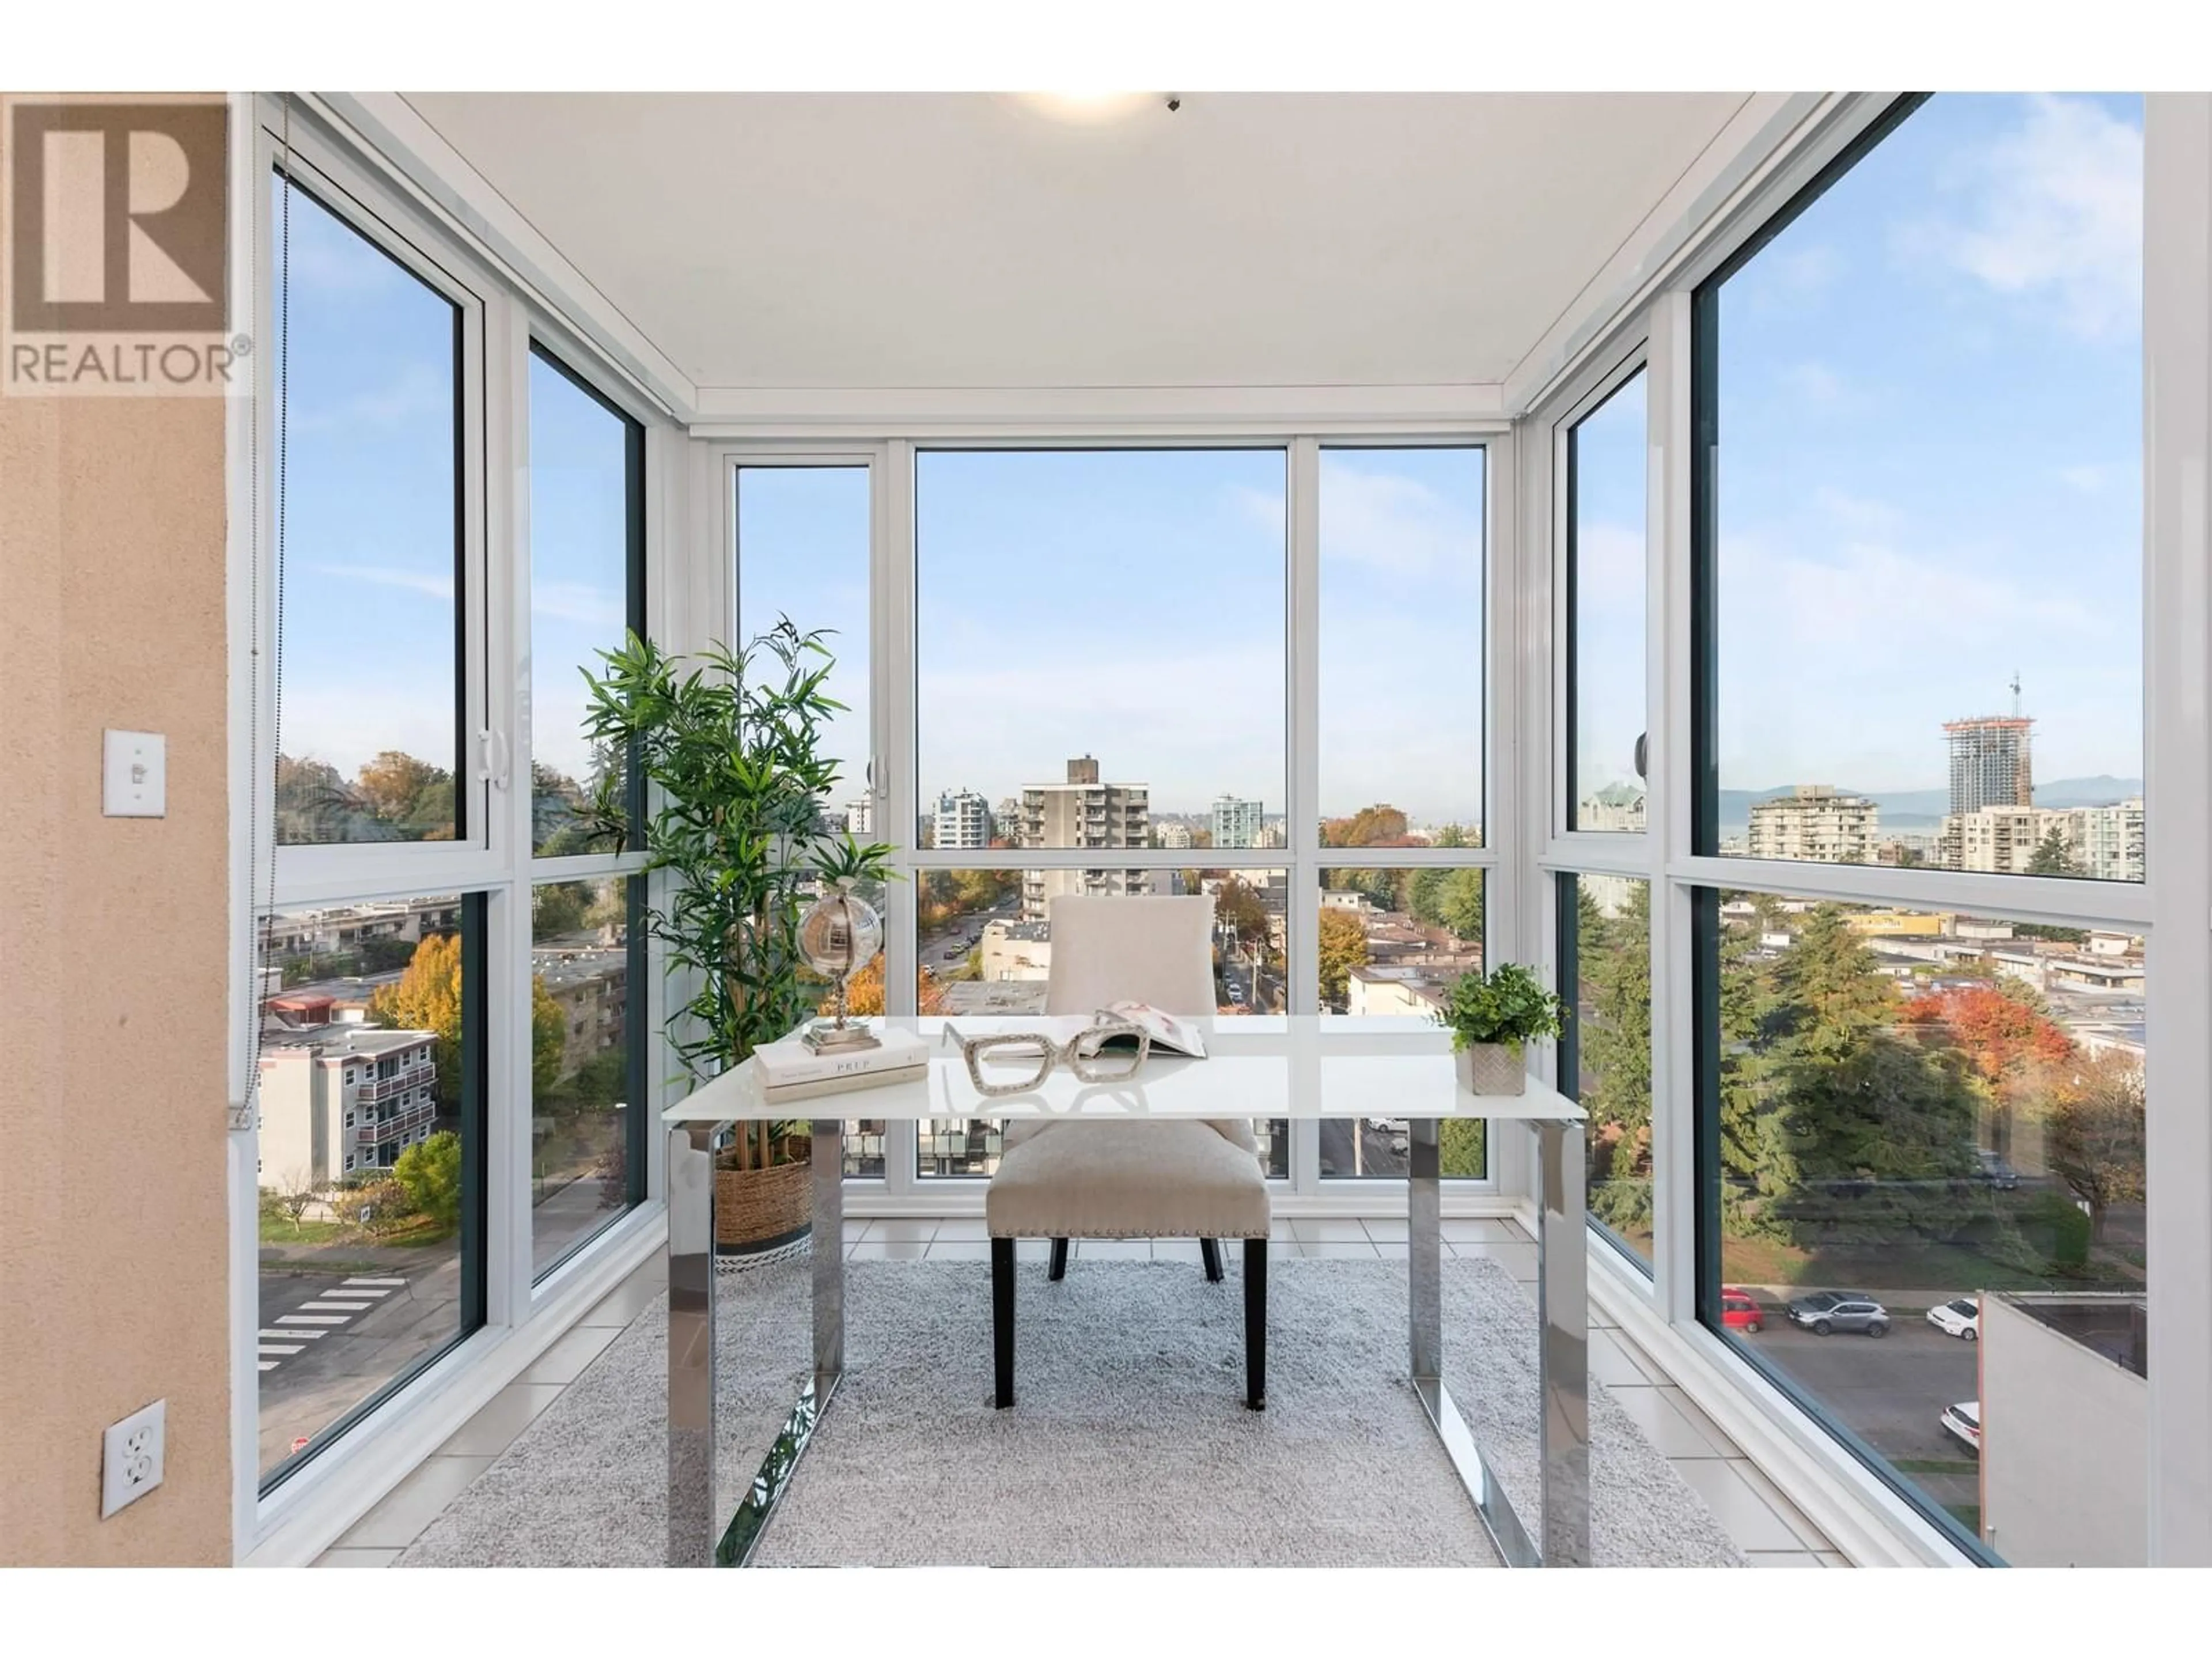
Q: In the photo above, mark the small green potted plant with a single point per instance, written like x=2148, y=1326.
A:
x=1491, y=1015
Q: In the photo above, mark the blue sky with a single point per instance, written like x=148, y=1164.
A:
x=1930, y=450
x=1610, y=583
x=1930, y=477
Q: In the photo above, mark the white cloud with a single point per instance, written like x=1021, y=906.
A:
x=1808, y=270
x=580, y=602
x=1392, y=523
x=2052, y=213
x=380, y=576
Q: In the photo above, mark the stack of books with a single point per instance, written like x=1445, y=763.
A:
x=789, y=1070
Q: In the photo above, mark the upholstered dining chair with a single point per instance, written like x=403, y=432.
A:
x=1184, y=1178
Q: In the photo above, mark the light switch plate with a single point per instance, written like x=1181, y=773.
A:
x=131, y=1457
x=135, y=769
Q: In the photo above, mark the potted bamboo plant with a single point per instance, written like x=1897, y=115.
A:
x=729, y=747
x=1491, y=1017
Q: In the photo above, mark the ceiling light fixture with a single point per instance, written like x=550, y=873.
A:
x=1095, y=109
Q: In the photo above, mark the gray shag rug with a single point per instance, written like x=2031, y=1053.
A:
x=1129, y=1444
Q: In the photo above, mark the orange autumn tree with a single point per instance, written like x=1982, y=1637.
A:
x=864, y=993
x=2002, y=1035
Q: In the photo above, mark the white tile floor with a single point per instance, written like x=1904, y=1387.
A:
x=1766, y=1525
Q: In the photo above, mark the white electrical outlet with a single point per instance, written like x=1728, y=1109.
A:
x=130, y=1458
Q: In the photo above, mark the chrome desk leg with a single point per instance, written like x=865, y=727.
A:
x=1425, y=1311
x=829, y=1254
x=1563, y=1318
x=691, y=1520
x=1425, y=1251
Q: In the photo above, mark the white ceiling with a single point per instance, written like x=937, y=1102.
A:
x=867, y=241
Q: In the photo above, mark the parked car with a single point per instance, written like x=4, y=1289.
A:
x=1962, y=1318
x=1996, y=1172
x=955, y=949
x=1824, y=1311
x=1740, y=1310
x=1965, y=1420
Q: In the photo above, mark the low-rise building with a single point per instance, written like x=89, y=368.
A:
x=1176, y=836
x=338, y=1097
x=1814, y=822
x=1618, y=807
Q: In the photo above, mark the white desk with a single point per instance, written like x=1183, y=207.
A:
x=1258, y=1067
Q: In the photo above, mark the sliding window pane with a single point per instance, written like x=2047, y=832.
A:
x=1401, y=593
x=1924, y=533
x=1392, y=941
x=368, y=412
x=370, y=1100
x=982, y=957
x=587, y=592
x=1605, y=1054
x=586, y=1066
x=1099, y=645
x=1605, y=582
x=1931, y=1129
x=802, y=555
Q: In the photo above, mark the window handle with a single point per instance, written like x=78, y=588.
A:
x=496, y=758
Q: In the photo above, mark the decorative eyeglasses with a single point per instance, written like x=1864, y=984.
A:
x=1110, y=1050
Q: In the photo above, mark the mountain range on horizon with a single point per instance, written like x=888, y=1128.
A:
x=1923, y=808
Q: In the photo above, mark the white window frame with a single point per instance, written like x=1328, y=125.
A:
x=1853, y=1504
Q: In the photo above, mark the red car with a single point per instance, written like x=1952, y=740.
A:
x=1740, y=1309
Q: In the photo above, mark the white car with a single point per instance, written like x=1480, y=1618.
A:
x=1960, y=1318
x=1965, y=1420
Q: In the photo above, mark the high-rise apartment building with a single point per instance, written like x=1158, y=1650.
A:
x=1083, y=813
x=860, y=815
x=2103, y=842
x=963, y=819
x=1990, y=766
x=1814, y=822
x=2108, y=840
x=1236, y=823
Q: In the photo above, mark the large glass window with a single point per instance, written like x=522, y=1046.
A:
x=587, y=592
x=1919, y=502
x=802, y=553
x=983, y=956
x=587, y=1063
x=1605, y=1057
x=371, y=1147
x=1392, y=940
x=1402, y=595
x=1926, y=1214
x=369, y=416
x=1605, y=582
x=1099, y=645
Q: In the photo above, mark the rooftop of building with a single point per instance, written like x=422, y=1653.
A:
x=346, y=1038
x=2112, y=1323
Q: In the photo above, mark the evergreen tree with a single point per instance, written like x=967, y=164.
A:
x=1613, y=1042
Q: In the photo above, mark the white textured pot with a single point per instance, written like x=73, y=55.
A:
x=1491, y=1068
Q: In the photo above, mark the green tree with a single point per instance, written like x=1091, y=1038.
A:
x=1460, y=906
x=1343, y=948
x=1239, y=906
x=558, y=907
x=2051, y=858
x=2092, y=1117
x=429, y=1171
x=1613, y=958
x=549, y=1037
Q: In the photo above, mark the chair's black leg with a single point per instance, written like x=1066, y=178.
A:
x=1059, y=1258
x=1256, y=1323
x=1002, y=1318
x=1210, y=1248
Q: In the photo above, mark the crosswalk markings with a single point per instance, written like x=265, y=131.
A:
x=370, y=1290
x=389, y=1284
x=311, y=1319
x=267, y=1365
x=297, y=1330
x=335, y=1305
x=278, y=1350
x=327, y=1306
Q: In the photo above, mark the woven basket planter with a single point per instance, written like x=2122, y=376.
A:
x=1491, y=1068
x=757, y=1210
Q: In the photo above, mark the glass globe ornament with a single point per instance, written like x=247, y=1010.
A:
x=839, y=935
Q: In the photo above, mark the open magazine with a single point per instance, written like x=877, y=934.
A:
x=1169, y=1034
